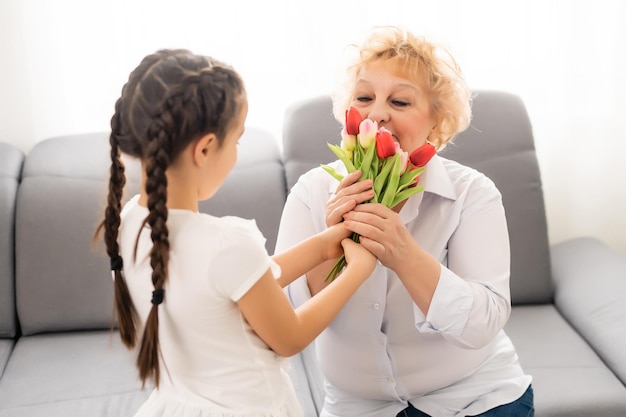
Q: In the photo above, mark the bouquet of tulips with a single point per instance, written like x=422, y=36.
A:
x=395, y=173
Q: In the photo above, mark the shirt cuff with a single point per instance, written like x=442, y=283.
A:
x=450, y=307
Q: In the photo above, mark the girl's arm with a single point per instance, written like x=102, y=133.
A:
x=309, y=253
x=287, y=331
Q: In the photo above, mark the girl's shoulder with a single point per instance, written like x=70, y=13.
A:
x=232, y=224
x=229, y=230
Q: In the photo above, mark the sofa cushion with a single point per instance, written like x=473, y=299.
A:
x=62, y=282
x=500, y=144
x=11, y=160
x=569, y=378
x=308, y=126
x=6, y=346
x=590, y=279
x=71, y=374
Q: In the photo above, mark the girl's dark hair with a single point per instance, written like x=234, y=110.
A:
x=171, y=99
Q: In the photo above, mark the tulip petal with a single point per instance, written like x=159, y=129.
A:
x=353, y=120
x=367, y=132
x=420, y=156
x=385, y=145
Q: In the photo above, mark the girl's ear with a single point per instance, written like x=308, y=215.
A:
x=203, y=148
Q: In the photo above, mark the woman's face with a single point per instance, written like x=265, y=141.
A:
x=395, y=103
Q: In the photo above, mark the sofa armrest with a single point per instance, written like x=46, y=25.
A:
x=590, y=292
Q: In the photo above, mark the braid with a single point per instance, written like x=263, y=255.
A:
x=123, y=302
x=111, y=223
x=156, y=187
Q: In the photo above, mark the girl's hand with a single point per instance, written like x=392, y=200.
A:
x=350, y=192
x=358, y=258
x=383, y=233
x=332, y=238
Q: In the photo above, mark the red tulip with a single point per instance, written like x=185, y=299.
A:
x=420, y=156
x=385, y=145
x=353, y=120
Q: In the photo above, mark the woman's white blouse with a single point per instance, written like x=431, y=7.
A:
x=382, y=351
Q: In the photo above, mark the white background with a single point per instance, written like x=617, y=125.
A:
x=63, y=64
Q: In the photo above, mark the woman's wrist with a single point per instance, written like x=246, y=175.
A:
x=417, y=261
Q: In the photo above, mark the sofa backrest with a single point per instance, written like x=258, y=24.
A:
x=62, y=281
x=11, y=160
x=498, y=143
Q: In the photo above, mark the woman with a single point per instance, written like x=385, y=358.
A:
x=424, y=335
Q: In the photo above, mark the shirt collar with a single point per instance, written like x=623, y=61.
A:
x=436, y=180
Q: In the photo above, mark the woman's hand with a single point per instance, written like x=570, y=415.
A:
x=350, y=192
x=382, y=233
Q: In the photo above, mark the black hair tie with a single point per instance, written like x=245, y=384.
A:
x=117, y=264
x=157, y=296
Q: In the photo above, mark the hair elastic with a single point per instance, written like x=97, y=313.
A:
x=117, y=264
x=157, y=296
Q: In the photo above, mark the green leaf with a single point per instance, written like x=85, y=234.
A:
x=381, y=178
x=332, y=172
x=409, y=176
x=358, y=155
x=366, y=165
x=392, y=185
x=339, y=153
x=403, y=195
x=375, y=164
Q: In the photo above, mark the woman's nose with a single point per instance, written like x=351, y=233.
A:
x=378, y=113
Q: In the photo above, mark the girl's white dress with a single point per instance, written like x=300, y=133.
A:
x=212, y=363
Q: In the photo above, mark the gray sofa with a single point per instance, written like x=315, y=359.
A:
x=59, y=358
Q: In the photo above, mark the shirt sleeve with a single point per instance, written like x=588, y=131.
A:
x=295, y=226
x=241, y=259
x=302, y=217
x=471, y=303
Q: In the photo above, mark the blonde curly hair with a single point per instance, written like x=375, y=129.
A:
x=427, y=64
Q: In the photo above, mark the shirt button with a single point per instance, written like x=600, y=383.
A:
x=376, y=306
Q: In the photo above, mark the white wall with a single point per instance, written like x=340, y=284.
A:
x=64, y=63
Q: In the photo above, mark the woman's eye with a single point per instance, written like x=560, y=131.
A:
x=363, y=99
x=400, y=103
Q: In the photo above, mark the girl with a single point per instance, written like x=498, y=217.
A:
x=197, y=294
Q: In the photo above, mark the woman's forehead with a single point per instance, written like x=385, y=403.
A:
x=404, y=73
